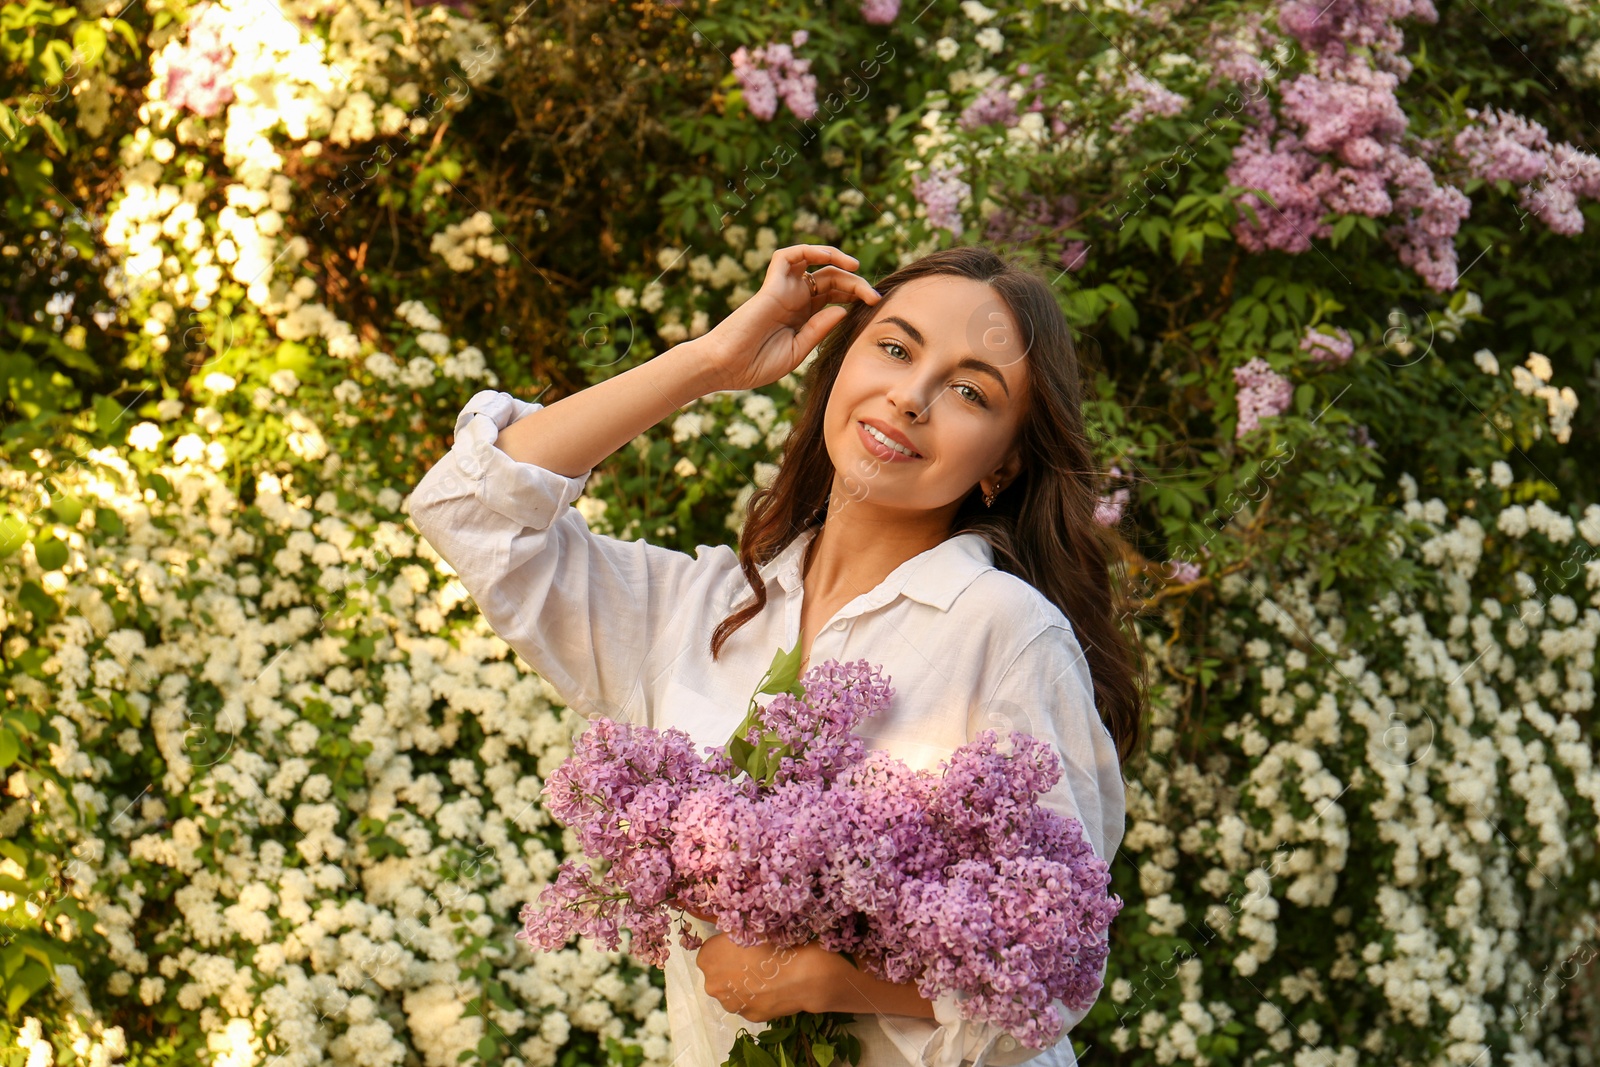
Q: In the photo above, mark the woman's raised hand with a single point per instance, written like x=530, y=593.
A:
x=771, y=334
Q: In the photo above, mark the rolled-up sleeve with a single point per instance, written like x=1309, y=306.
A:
x=1045, y=692
x=581, y=608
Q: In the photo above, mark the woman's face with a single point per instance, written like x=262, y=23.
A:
x=942, y=364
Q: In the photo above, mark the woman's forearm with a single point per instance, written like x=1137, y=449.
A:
x=578, y=432
x=762, y=982
x=855, y=991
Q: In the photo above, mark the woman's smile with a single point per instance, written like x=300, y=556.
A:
x=882, y=446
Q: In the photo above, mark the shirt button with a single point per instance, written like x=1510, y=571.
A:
x=839, y=625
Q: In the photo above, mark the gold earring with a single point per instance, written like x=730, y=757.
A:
x=988, y=498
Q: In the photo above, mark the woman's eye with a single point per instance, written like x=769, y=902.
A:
x=976, y=396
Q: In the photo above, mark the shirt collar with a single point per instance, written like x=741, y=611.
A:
x=935, y=577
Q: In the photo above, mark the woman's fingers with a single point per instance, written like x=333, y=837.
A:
x=835, y=284
x=836, y=287
x=807, y=254
x=798, y=259
x=816, y=328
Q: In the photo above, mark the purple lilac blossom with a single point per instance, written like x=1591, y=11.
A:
x=1328, y=348
x=1345, y=149
x=197, y=74
x=986, y=797
x=1262, y=394
x=1431, y=214
x=1074, y=254
x=1330, y=29
x=956, y=879
x=1108, y=509
x=821, y=727
x=1151, y=99
x=1348, y=113
x=1504, y=146
x=1234, y=53
x=995, y=931
x=880, y=12
x=941, y=194
x=1573, y=173
x=1185, y=571
x=993, y=105
x=1283, y=170
x=772, y=72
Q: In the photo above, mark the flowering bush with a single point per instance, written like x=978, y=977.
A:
x=270, y=786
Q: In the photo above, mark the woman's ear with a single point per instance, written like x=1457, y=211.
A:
x=1011, y=467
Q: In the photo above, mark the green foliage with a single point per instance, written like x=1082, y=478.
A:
x=801, y=1040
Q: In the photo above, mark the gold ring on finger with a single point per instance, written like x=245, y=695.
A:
x=810, y=281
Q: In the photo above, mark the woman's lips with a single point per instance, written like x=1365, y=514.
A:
x=879, y=449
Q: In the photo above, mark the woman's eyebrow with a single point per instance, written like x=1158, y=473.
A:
x=916, y=334
x=969, y=363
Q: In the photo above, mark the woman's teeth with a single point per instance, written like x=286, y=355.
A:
x=879, y=436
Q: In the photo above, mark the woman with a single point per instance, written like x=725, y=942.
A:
x=932, y=513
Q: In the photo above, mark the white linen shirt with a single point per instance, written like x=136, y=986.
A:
x=622, y=629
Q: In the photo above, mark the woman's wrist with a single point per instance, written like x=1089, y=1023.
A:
x=822, y=978
x=694, y=369
x=840, y=986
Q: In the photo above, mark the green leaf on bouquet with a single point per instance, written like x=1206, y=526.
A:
x=756, y=1056
x=784, y=674
x=740, y=751
x=804, y=1039
x=760, y=759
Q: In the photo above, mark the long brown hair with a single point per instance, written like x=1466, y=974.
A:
x=1041, y=527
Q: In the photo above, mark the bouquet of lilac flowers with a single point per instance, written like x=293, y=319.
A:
x=957, y=881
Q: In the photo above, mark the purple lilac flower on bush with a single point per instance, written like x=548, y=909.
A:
x=1344, y=149
x=941, y=194
x=197, y=75
x=1332, y=28
x=1505, y=146
x=1333, y=348
x=1234, y=55
x=993, y=105
x=1341, y=145
x=1108, y=509
x=773, y=72
x=956, y=879
x=1150, y=98
x=1184, y=571
x=880, y=12
x=1262, y=394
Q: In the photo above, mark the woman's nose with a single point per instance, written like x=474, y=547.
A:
x=914, y=399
